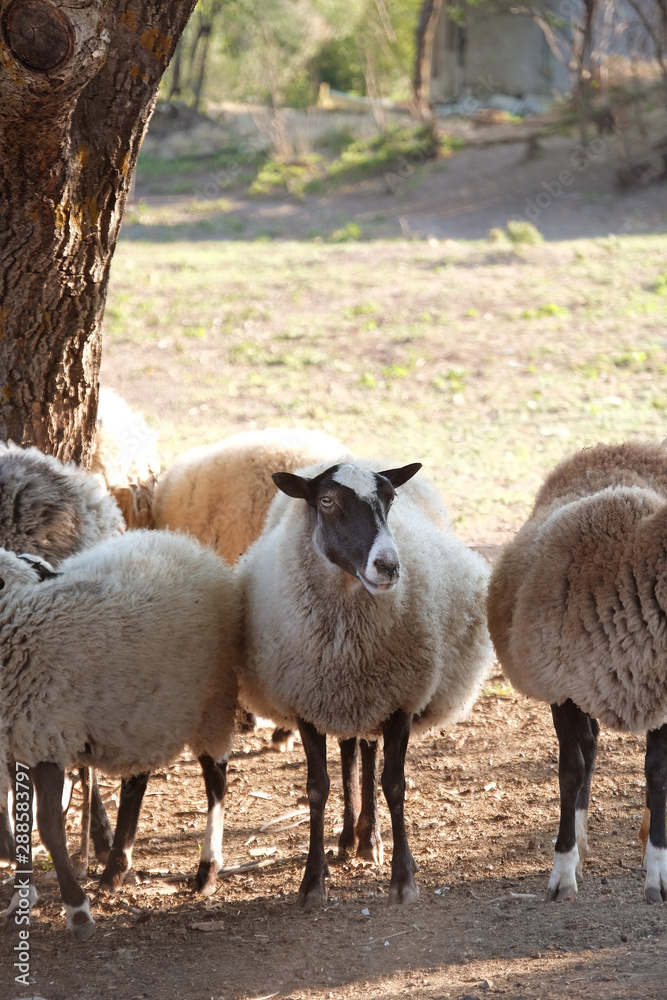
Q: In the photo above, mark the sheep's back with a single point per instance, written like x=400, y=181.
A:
x=50, y=509
x=221, y=493
x=588, y=621
x=640, y=464
x=123, y=659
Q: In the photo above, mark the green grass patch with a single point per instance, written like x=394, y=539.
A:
x=367, y=340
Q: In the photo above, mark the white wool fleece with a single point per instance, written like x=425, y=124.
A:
x=123, y=659
x=318, y=646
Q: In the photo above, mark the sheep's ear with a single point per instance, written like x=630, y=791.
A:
x=42, y=568
x=399, y=476
x=294, y=486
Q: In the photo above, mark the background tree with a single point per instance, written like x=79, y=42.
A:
x=428, y=22
x=77, y=88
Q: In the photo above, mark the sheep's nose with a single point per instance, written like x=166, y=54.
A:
x=387, y=567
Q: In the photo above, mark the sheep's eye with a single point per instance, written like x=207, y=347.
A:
x=2, y=583
x=326, y=501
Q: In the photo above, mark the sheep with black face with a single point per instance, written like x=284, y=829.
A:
x=364, y=615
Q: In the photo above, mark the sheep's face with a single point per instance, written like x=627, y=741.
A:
x=350, y=506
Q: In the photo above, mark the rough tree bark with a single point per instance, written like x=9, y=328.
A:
x=78, y=80
x=428, y=22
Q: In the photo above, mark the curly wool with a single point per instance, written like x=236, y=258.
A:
x=145, y=629
x=319, y=647
x=50, y=509
x=577, y=603
x=220, y=493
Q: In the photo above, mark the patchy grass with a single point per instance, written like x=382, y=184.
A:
x=402, y=349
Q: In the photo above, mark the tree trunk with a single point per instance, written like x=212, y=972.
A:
x=428, y=22
x=78, y=80
x=584, y=83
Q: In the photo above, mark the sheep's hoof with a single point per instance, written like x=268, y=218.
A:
x=557, y=895
x=407, y=892
x=84, y=931
x=112, y=879
x=653, y=894
x=373, y=851
x=101, y=847
x=79, y=921
x=312, y=893
x=206, y=879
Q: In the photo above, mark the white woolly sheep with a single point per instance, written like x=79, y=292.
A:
x=578, y=614
x=145, y=628
x=220, y=493
x=51, y=510
x=359, y=623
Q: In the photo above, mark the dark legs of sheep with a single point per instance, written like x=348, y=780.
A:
x=215, y=779
x=100, y=827
x=313, y=890
x=360, y=816
x=577, y=736
x=120, y=856
x=7, y=852
x=48, y=780
x=655, y=768
x=396, y=730
x=349, y=765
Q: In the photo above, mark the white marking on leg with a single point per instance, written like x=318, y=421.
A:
x=581, y=835
x=563, y=873
x=655, y=860
x=212, y=846
x=80, y=922
x=19, y=898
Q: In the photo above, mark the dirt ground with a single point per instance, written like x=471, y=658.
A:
x=481, y=810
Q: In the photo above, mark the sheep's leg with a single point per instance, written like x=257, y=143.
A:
x=215, y=779
x=312, y=891
x=396, y=730
x=48, y=780
x=100, y=828
x=644, y=828
x=368, y=826
x=655, y=768
x=577, y=736
x=120, y=856
x=589, y=748
x=349, y=765
x=7, y=852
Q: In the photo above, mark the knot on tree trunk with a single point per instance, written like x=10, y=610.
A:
x=38, y=34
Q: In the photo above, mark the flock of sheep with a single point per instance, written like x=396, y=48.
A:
x=284, y=577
